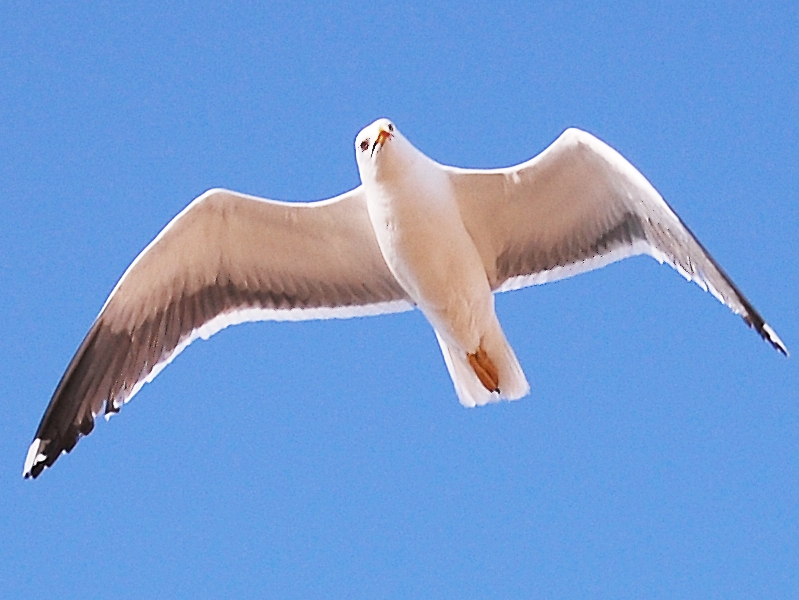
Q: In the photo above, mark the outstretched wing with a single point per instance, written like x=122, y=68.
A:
x=578, y=206
x=227, y=258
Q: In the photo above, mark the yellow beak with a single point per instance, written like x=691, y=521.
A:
x=381, y=139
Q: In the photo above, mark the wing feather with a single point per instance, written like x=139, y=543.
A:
x=227, y=258
x=578, y=206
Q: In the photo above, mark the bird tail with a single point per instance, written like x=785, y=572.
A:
x=471, y=392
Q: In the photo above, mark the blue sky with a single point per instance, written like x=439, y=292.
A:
x=656, y=456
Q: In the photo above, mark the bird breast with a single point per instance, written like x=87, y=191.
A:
x=426, y=246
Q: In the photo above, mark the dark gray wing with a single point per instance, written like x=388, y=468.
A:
x=227, y=258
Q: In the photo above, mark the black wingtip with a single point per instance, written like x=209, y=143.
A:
x=43, y=453
x=772, y=337
x=756, y=322
x=36, y=459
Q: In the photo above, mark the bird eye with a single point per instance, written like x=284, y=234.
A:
x=390, y=127
x=365, y=145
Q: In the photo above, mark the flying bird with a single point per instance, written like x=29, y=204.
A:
x=414, y=234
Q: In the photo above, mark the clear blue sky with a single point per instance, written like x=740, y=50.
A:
x=658, y=454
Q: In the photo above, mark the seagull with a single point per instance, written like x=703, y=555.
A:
x=414, y=234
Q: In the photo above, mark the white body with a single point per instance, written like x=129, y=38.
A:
x=417, y=221
x=425, y=244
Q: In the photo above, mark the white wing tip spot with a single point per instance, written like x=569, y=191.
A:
x=33, y=458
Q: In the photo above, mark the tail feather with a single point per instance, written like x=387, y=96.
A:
x=471, y=392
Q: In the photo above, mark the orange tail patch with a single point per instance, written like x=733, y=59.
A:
x=486, y=371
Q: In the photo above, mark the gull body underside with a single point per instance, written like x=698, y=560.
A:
x=414, y=234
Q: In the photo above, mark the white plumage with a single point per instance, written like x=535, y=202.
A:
x=415, y=233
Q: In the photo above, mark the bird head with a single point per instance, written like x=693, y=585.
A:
x=380, y=149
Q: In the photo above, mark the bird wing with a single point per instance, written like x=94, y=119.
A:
x=578, y=206
x=227, y=258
